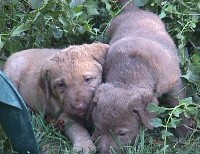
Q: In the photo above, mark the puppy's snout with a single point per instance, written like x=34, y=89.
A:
x=78, y=106
x=103, y=145
x=105, y=151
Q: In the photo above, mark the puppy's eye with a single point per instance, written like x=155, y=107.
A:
x=87, y=79
x=135, y=111
x=122, y=133
x=61, y=85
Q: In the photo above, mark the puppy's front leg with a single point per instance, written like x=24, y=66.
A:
x=78, y=135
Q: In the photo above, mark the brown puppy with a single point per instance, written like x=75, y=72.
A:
x=141, y=65
x=61, y=83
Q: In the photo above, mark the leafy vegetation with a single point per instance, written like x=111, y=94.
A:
x=59, y=23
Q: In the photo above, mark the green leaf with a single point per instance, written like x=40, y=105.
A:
x=81, y=30
x=198, y=123
x=92, y=11
x=57, y=33
x=198, y=5
x=156, y=122
x=191, y=110
x=75, y=3
x=36, y=16
x=1, y=43
x=35, y=4
x=108, y=6
x=169, y=8
x=166, y=134
x=63, y=21
x=174, y=122
x=195, y=59
x=183, y=52
x=39, y=22
x=177, y=112
x=164, y=148
x=139, y=3
x=180, y=36
x=195, y=18
x=193, y=74
x=155, y=108
x=21, y=28
x=186, y=114
x=13, y=45
x=186, y=100
x=192, y=25
x=91, y=7
x=162, y=15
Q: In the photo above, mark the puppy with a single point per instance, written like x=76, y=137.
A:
x=141, y=65
x=60, y=83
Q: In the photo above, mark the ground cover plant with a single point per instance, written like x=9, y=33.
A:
x=37, y=24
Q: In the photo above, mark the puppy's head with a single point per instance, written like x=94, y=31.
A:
x=72, y=75
x=117, y=115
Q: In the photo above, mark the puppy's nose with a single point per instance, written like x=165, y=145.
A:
x=105, y=152
x=80, y=106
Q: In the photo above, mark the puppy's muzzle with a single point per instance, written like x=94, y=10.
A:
x=79, y=108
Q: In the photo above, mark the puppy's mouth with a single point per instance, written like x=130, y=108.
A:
x=81, y=112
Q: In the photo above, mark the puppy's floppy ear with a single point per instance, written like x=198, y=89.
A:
x=98, y=94
x=92, y=105
x=99, y=52
x=45, y=82
x=143, y=113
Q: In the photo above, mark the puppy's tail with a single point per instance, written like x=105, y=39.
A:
x=127, y=4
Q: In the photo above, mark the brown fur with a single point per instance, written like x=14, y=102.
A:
x=61, y=83
x=141, y=65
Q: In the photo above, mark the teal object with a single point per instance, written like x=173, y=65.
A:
x=14, y=118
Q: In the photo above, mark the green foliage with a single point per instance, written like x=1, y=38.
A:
x=182, y=19
x=49, y=139
x=5, y=146
x=186, y=107
x=59, y=23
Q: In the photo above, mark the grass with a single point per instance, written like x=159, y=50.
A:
x=51, y=141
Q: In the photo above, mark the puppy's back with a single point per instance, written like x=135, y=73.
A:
x=134, y=22
x=142, y=34
x=23, y=62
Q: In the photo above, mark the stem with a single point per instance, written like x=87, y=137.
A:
x=168, y=120
x=185, y=27
x=115, y=16
x=183, y=4
x=170, y=116
x=178, y=13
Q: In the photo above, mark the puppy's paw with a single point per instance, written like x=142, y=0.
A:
x=84, y=147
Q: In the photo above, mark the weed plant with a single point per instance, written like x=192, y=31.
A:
x=45, y=24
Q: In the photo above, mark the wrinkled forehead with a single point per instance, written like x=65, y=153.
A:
x=75, y=68
x=112, y=104
x=111, y=96
x=109, y=113
x=110, y=119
